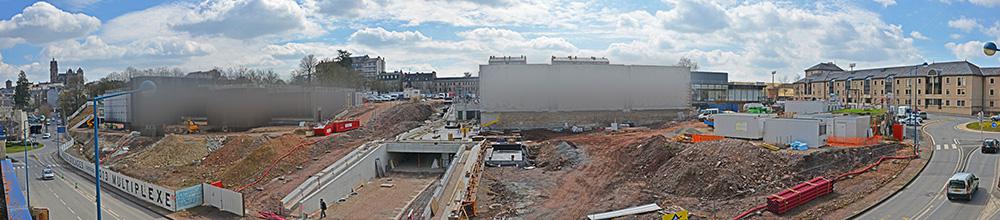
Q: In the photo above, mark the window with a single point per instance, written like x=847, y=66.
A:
x=960, y=102
x=991, y=91
x=991, y=81
x=918, y=92
x=959, y=81
x=919, y=81
x=947, y=80
x=991, y=103
x=947, y=102
x=960, y=91
x=947, y=92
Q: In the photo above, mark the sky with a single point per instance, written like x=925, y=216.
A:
x=748, y=39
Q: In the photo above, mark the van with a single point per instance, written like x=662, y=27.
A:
x=962, y=186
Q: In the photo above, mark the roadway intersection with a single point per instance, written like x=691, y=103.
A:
x=955, y=150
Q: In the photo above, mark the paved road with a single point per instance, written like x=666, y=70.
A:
x=71, y=194
x=955, y=150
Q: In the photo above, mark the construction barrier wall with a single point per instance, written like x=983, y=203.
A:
x=189, y=197
x=223, y=199
x=740, y=125
x=160, y=196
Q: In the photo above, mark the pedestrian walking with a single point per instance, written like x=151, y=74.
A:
x=322, y=208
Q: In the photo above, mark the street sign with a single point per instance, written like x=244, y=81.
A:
x=61, y=129
x=994, y=124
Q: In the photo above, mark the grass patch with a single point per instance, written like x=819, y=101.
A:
x=857, y=111
x=986, y=126
x=17, y=147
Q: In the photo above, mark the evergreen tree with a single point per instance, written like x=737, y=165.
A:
x=21, y=96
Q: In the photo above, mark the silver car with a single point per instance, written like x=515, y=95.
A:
x=48, y=174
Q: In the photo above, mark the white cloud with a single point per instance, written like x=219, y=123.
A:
x=917, y=35
x=964, y=24
x=988, y=3
x=80, y=4
x=43, y=23
x=766, y=36
x=967, y=50
x=378, y=37
x=244, y=19
x=694, y=16
x=886, y=3
x=955, y=36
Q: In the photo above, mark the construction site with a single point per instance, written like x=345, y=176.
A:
x=263, y=163
x=644, y=157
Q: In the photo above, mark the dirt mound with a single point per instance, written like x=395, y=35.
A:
x=565, y=154
x=619, y=170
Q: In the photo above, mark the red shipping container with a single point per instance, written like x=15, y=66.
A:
x=322, y=131
x=799, y=194
x=343, y=126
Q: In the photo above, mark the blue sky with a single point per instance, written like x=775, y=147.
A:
x=749, y=39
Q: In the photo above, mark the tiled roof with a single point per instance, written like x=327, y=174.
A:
x=945, y=69
x=825, y=66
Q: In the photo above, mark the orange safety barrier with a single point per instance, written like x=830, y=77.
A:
x=705, y=137
x=853, y=141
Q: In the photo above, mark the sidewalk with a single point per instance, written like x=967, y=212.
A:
x=903, y=179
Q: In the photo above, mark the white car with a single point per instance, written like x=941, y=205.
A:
x=48, y=174
x=46, y=135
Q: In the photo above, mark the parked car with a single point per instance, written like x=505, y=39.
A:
x=48, y=174
x=923, y=115
x=995, y=118
x=46, y=135
x=705, y=113
x=991, y=145
x=962, y=186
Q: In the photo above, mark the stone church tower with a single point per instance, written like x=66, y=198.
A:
x=53, y=71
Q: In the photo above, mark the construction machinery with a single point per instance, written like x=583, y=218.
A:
x=192, y=127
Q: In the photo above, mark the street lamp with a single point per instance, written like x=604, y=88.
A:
x=145, y=87
x=990, y=48
x=913, y=104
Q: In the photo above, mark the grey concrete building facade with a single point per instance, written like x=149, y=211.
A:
x=525, y=96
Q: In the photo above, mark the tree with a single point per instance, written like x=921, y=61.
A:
x=307, y=67
x=687, y=62
x=21, y=96
x=334, y=74
x=344, y=59
x=70, y=100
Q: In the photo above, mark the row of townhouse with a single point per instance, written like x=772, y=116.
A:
x=956, y=87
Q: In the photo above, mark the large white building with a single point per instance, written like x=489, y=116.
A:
x=582, y=91
x=368, y=66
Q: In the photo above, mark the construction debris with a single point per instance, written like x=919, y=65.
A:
x=713, y=179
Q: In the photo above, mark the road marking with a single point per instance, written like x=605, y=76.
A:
x=71, y=210
x=937, y=195
x=78, y=218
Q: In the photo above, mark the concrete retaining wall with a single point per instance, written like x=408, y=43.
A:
x=366, y=167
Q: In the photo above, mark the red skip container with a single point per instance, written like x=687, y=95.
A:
x=799, y=194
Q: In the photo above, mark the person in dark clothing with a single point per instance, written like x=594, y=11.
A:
x=322, y=208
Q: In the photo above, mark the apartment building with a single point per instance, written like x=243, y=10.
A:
x=958, y=87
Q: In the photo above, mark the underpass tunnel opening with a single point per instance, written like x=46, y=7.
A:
x=419, y=162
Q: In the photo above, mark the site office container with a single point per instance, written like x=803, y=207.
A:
x=781, y=131
x=741, y=125
x=803, y=193
x=805, y=107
